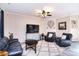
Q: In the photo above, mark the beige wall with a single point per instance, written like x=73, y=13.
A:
x=74, y=31
x=17, y=25
x=65, y=19
x=45, y=26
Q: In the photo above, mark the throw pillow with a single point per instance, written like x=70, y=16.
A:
x=50, y=35
x=63, y=36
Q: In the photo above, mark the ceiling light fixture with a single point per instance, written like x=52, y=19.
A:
x=46, y=11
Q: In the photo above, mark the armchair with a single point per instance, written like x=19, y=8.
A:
x=50, y=37
x=65, y=40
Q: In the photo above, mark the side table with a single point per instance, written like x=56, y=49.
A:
x=3, y=53
x=31, y=44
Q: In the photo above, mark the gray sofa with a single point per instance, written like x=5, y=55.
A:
x=13, y=46
x=64, y=42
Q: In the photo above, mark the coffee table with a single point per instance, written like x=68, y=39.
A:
x=3, y=53
x=30, y=43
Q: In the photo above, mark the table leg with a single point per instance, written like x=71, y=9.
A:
x=35, y=48
x=26, y=46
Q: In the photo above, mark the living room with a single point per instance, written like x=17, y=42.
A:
x=62, y=19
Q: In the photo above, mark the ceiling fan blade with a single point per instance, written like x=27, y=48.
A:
x=49, y=15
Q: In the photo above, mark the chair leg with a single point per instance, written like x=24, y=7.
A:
x=35, y=48
x=26, y=46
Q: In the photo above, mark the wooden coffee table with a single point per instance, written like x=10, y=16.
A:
x=31, y=44
x=3, y=53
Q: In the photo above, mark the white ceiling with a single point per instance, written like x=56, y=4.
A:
x=28, y=8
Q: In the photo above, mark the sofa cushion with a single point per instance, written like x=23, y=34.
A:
x=13, y=40
x=66, y=43
x=3, y=43
x=14, y=48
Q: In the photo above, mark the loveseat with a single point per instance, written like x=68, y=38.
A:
x=13, y=46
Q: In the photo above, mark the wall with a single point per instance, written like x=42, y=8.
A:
x=65, y=19
x=53, y=29
x=74, y=31
x=16, y=24
x=46, y=27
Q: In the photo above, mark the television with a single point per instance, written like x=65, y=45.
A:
x=31, y=28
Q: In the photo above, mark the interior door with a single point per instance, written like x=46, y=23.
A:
x=1, y=23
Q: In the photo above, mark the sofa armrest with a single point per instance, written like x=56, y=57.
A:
x=58, y=39
x=15, y=48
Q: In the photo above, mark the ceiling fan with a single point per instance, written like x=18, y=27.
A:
x=44, y=12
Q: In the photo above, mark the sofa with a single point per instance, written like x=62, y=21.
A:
x=50, y=37
x=13, y=46
x=65, y=40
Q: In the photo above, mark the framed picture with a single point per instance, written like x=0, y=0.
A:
x=74, y=24
x=62, y=25
x=50, y=24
